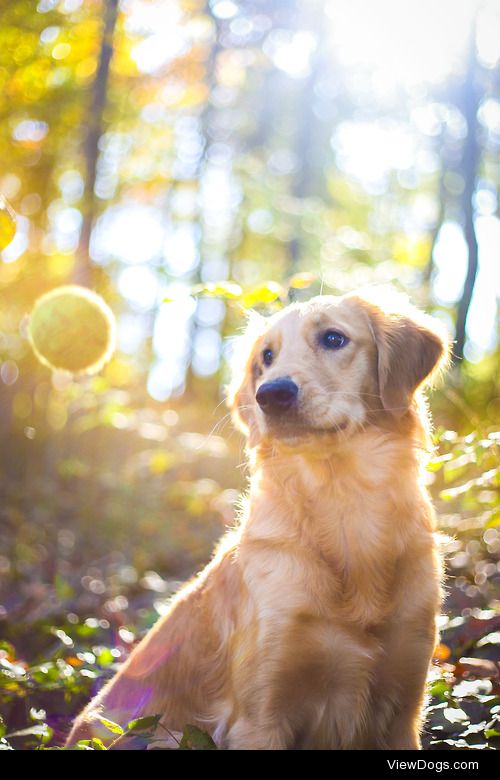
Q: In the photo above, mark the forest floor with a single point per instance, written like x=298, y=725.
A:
x=50, y=664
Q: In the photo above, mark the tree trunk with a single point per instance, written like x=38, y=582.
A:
x=82, y=273
x=441, y=195
x=309, y=145
x=206, y=115
x=470, y=163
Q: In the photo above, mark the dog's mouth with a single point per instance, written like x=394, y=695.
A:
x=292, y=428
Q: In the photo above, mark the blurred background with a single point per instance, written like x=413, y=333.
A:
x=189, y=160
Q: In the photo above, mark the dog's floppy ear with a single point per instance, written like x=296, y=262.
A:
x=244, y=415
x=411, y=348
x=241, y=391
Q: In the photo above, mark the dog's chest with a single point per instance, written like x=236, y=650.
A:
x=354, y=538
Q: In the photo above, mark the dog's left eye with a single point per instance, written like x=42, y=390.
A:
x=332, y=339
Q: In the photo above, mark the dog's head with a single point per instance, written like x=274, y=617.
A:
x=333, y=365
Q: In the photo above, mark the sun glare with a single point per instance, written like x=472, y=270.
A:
x=406, y=43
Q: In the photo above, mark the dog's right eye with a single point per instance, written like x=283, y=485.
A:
x=267, y=357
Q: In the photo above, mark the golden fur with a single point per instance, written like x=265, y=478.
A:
x=314, y=624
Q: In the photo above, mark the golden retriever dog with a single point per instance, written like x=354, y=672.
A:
x=314, y=624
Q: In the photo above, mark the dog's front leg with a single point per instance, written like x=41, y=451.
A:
x=302, y=690
x=409, y=642
x=250, y=734
x=400, y=697
x=268, y=680
x=263, y=708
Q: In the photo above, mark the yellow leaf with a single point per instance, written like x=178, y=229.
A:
x=268, y=292
x=7, y=223
x=224, y=289
x=302, y=281
x=160, y=461
x=411, y=251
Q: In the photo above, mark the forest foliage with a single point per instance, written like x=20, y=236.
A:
x=189, y=161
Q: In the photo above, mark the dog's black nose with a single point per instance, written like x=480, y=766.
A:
x=277, y=396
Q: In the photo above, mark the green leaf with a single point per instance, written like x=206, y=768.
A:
x=455, y=715
x=90, y=744
x=144, y=724
x=194, y=738
x=440, y=689
x=40, y=730
x=9, y=649
x=37, y=714
x=438, y=463
x=489, y=733
x=98, y=744
x=105, y=657
x=63, y=589
x=494, y=520
x=111, y=726
x=62, y=636
x=489, y=639
x=12, y=670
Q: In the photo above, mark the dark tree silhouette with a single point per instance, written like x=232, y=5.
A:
x=470, y=99
x=82, y=273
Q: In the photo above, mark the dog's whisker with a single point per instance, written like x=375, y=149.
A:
x=218, y=425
